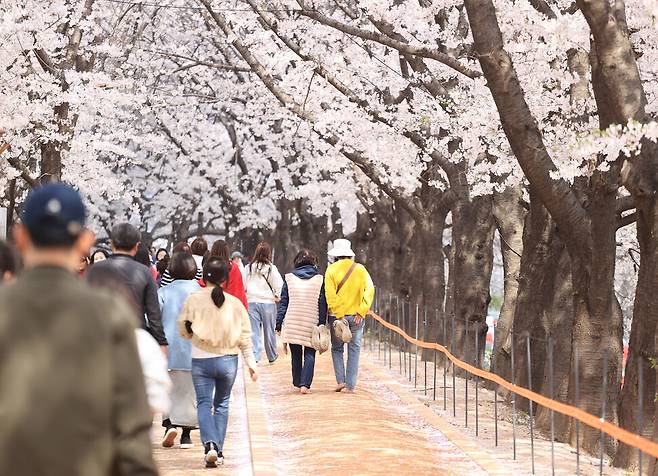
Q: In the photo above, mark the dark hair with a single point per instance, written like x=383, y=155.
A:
x=163, y=264
x=182, y=247
x=125, y=236
x=9, y=261
x=182, y=266
x=143, y=256
x=158, y=252
x=101, y=251
x=199, y=246
x=263, y=254
x=215, y=271
x=221, y=250
x=305, y=257
x=111, y=280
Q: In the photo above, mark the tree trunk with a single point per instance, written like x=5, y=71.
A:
x=641, y=347
x=510, y=217
x=472, y=237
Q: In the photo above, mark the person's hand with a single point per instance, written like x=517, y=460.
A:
x=357, y=319
x=253, y=374
x=165, y=350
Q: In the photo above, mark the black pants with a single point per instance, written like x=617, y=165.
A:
x=302, y=372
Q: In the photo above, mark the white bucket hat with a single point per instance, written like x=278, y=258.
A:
x=342, y=247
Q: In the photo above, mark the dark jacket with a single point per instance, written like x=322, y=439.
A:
x=139, y=280
x=69, y=368
x=303, y=272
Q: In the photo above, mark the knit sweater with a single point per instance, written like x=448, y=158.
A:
x=225, y=330
x=356, y=295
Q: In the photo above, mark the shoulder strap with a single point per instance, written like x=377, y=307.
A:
x=347, y=276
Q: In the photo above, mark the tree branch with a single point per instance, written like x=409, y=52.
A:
x=404, y=48
x=357, y=158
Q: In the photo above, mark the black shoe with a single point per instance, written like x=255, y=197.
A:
x=212, y=455
x=186, y=441
x=170, y=436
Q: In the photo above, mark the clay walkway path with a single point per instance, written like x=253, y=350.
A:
x=382, y=429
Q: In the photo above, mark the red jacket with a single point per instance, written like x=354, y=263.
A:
x=235, y=284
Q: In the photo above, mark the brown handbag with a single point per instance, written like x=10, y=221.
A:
x=347, y=276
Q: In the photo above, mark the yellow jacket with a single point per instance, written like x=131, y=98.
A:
x=356, y=295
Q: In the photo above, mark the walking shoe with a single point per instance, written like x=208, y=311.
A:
x=186, y=441
x=339, y=387
x=212, y=455
x=304, y=390
x=169, y=437
x=274, y=360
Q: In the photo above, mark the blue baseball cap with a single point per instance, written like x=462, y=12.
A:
x=54, y=215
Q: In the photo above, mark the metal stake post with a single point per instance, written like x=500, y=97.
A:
x=513, y=373
x=604, y=397
x=416, y=358
x=577, y=382
x=532, y=435
x=454, y=380
x=403, y=341
x=551, y=377
x=493, y=370
x=397, y=308
x=466, y=375
x=425, y=339
x=640, y=407
x=445, y=363
x=477, y=397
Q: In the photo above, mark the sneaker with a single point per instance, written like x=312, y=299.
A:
x=304, y=390
x=212, y=455
x=274, y=360
x=186, y=441
x=339, y=387
x=169, y=437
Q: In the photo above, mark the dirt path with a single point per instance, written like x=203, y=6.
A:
x=177, y=462
x=370, y=432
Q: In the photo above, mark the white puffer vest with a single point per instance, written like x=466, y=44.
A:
x=302, y=313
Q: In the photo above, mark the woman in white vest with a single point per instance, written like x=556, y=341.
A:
x=303, y=306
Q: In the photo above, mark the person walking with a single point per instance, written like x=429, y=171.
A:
x=183, y=409
x=153, y=361
x=181, y=247
x=218, y=325
x=303, y=306
x=73, y=399
x=99, y=255
x=143, y=256
x=136, y=276
x=263, y=283
x=199, y=248
x=9, y=263
x=235, y=285
x=350, y=292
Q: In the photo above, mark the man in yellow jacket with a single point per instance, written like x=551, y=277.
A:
x=350, y=292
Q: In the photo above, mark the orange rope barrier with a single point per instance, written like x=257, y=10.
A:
x=631, y=439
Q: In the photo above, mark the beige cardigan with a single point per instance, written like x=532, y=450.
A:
x=224, y=330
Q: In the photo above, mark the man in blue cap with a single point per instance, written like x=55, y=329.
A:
x=72, y=399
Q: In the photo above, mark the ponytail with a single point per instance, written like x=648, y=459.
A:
x=215, y=272
x=217, y=296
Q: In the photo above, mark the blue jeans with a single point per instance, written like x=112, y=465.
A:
x=353, y=352
x=216, y=375
x=263, y=315
x=302, y=374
